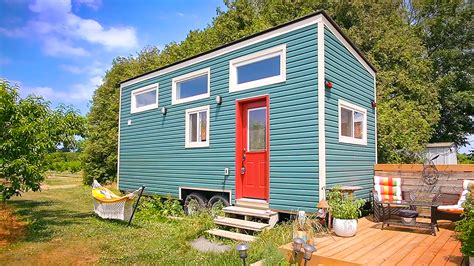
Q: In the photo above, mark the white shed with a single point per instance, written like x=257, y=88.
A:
x=447, y=152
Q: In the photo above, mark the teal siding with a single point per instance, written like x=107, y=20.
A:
x=347, y=164
x=152, y=148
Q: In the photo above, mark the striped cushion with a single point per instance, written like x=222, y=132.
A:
x=468, y=185
x=451, y=209
x=388, y=188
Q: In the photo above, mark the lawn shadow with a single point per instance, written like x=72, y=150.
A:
x=44, y=223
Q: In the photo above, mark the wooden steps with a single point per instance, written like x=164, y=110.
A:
x=239, y=223
x=247, y=216
x=250, y=212
x=231, y=235
x=252, y=203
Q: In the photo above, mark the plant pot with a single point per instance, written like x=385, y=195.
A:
x=345, y=227
x=471, y=261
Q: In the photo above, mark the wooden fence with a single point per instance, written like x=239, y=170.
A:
x=450, y=176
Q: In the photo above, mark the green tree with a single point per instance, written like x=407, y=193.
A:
x=29, y=129
x=446, y=28
x=407, y=92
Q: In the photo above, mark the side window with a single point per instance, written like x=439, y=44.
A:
x=145, y=98
x=259, y=69
x=197, y=127
x=192, y=86
x=352, y=123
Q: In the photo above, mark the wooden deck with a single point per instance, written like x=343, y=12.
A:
x=392, y=246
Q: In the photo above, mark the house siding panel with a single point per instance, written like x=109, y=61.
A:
x=348, y=164
x=152, y=149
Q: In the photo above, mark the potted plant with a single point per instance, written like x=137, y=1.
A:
x=345, y=211
x=465, y=229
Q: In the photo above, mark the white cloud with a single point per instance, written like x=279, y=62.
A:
x=94, y=4
x=53, y=46
x=180, y=14
x=77, y=93
x=92, y=69
x=61, y=32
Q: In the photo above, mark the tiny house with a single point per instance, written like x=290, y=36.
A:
x=276, y=117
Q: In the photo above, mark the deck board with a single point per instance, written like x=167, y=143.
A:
x=392, y=246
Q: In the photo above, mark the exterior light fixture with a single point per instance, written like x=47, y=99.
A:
x=164, y=110
x=308, y=252
x=242, y=249
x=328, y=84
x=218, y=99
x=373, y=103
x=297, y=244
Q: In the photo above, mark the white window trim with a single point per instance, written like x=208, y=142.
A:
x=255, y=57
x=353, y=107
x=145, y=89
x=189, y=144
x=195, y=74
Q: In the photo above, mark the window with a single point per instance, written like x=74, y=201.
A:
x=352, y=123
x=192, y=86
x=145, y=98
x=259, y=69
x=257, y=129
x=197, y=127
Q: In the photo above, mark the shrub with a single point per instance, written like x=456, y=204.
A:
x=465, y=227
x=344, y=206
x=153, y=206
x=64, y=161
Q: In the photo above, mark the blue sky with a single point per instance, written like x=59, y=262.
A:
x=60, y=49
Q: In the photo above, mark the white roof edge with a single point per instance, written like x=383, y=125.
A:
x=440, y=144
x=268, y=35
x=348, y=46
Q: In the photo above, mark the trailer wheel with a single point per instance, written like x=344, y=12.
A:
x=218, y=202
x=194, y=203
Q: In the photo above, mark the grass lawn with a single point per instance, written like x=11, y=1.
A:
x=60, y=228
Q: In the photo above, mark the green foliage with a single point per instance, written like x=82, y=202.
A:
x=465, y=227
x=153, y=206
x=29, y=129
x=64, y=161
x=446, y=29
x=466, y=158
x=343, y=206
x=421, y=70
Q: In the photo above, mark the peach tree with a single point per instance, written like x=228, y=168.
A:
x=29, y=130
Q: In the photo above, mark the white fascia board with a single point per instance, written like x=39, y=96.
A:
x=228, y=49
x=348, y=46
x=118, y=141
x=321, y=113
x=375, y=120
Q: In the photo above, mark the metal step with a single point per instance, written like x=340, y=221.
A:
x=249, y=212
x=238, y=223
x=231, y=235
x=252, y=203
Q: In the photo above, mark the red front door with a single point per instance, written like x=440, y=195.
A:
x=252, y=149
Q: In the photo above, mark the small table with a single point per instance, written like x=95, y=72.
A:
x=432, y=225
x=350, y=189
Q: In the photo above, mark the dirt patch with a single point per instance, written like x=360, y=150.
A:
x=48, y=187
x=11, y=229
